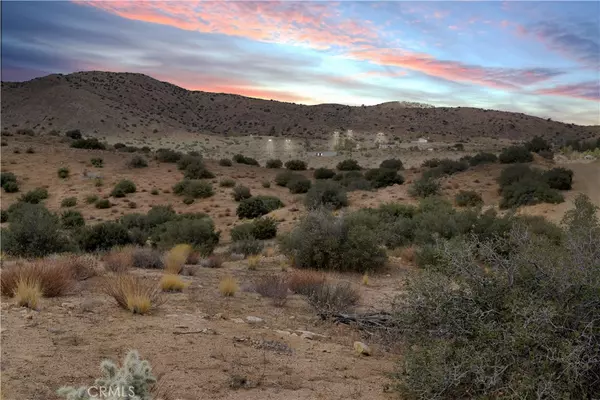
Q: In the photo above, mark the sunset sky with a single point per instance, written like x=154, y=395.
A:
x=540, y=58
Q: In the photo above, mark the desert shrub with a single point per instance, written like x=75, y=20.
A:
x=122, y=188
x=213, y=261
x=332, y=298
x=225, y=162
x=241, y=159
x=326, y=194
x=97, y=162
x=55, y=278
x=241, y=192
x=172, y=283
x=69, y=202
x=228, y=286
x=284, y=177
x=33, y=232
x=226, y=182
x=325, y=241
x=559, y=178
x=514, y=173
x=103, y=236
x=176, y=258
x=63, y=172
x=266, y=184
x=264, y=228
x=10, y=187
x=137, y=162
x=188, y=200
x=242, y=232
x=133, y=293
x=392, y=163
x=295, y=165
x=73, y=134
x=118, y=260
x=34, y=196
x=524, y=297
x=3, y=216
x=90, y=144
x=198, y=233
x=299, y=185
x=324, y=173
x=103, y=204
x=257, y=206
x=246, y=247
x=305, y=281
x=274, y=164
x=197, y=170
x=381, y=177
x=147, y=258
x=529, y=191
x=7, y=177
x=168, y=155
x=515, y=154
x=547, y=154
x=185, y=161
x=483, y=158
x=272, y=286
x=72, y=219
x=348, y=165
x=431, y=163
x=193, y=188
x=160, y=214
x=425, y=187
x=446, y=167
x=468, y=198
x=538, y=144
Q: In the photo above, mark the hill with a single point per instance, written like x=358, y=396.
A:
x=106, y=103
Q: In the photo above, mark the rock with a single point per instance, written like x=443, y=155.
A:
x=237, y=320
x=283, y=332
x=253, y=320
x=88, y=305
x=362, y=348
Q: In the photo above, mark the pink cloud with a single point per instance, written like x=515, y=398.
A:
x=584, y=90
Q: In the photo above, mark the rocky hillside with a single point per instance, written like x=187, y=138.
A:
x=104, y=103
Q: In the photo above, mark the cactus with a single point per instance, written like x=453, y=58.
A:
x=132, y=381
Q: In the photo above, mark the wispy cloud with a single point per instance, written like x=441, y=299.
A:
x=585, y=90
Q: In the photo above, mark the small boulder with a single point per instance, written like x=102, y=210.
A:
x=362, y=349
x=253, y=320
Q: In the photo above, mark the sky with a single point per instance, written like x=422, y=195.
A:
x=539, y=58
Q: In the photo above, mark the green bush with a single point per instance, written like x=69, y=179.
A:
x=299, y=185
x=257, y=206
x=226, y=182
x=324, y=241
x=97, y=162
x=483, y=158
x=261, y=229
x=446, y=167
x=72, y=219
x=11, y=187
x=33, y=232
x=522, y=298
x=185, y=161
x=431, y=163
x=514, y=173
x=326, y=194
x=63, y=172
x=34, y=196
x=69, y=202
x=266, y=184
x=324, y=173
x=528, y=191
x=197, y=170
x=103, y=236
x=241, y=193
x=137, y=162
x=247, y=247
x=241, y=159
x=274, y=164
x=91, y=198
x=122, y=188
x=154, y=192
x=468, y=198
x=538, y=144
x=515, y=154
x=425, y=187
x=193, y=188
x=243, y=231
x=353, y=180
x=348, y=165
x=74, y=134
x=6, y=177
x=381, y=177
x=168, y=155
x=90, y=144
x=102, y=204
x=160, y=214
x=284, y=177
x=559, y=178
x=392, y=163
x=30, y=150
x=198, y=233
x=296, y=165
x=3, y=216
x=225, y=162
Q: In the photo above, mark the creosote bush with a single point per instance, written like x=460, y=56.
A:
x=324, y=173
x=137, y=162
x=226, y=182
x=246, y=247
x=483, y=158
x=284, y=177
x=299, y=185
x=381, y=177
x=90, y=144
x=348, y=165
x=123, y=188
x=63, y=172
x=198, y=233
x=69, y=202
x=468, y=198
x=241, y=192
x=274, y=163
x=225, y=162
x=392, y=163
x=257, y=206
x=296, y=165
x=327, y=194
x=193, y=188
x=103, y=236
x=425, y=187
x=34, y=196
x=260, y=228
x=241, y=159
x=515, y=154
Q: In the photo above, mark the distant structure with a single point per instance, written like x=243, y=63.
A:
x=325, y=153
x=422, y=140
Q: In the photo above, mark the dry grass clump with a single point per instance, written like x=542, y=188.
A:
x=269, y=252
x=147, y=258
x=82, y=267
x=133, y=293
x=28, y=292
x=214, y=261
x=54, y=278
x=365, y=279
x=119, y=260
x=228, y=286
x=304, y=281
x=406, y=254
x=172, y=283
x=274, y=287
x=177, y=257
x=254, y=262
x=332, y=298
